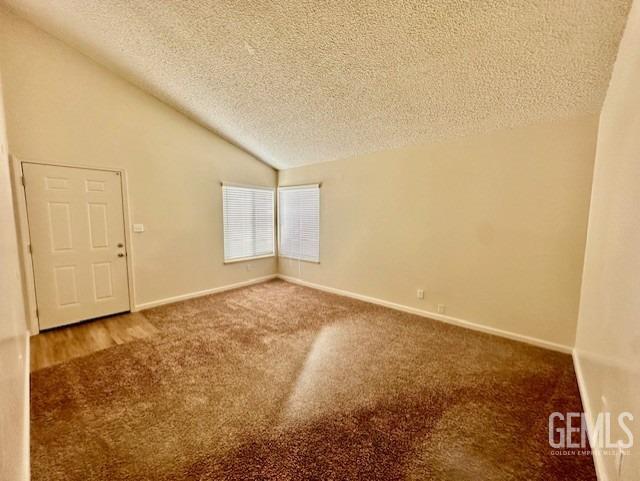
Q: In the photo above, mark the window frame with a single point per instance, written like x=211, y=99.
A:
x=274, y=251
x=318, y=185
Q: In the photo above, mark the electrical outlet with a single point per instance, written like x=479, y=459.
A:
x=420, y=293
x=442, y=308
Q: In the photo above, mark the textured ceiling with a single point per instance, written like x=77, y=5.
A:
x=298, y=82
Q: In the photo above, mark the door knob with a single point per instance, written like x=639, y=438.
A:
x=120, y=254
x=120, y=244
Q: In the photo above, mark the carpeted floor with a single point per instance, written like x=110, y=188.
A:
x=282, y=382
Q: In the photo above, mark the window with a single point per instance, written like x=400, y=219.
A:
x=248, y=222
x=299, y=222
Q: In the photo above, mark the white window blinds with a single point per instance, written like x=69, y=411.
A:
x=299, y=222
x=248, y=215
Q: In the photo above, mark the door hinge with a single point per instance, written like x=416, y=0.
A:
x=30, y=249
x=37, y=314
x=24, y=184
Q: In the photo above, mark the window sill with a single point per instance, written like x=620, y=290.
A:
x=299, y=259
x=246, y=259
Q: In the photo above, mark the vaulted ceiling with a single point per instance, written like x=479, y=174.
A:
x=304, y=81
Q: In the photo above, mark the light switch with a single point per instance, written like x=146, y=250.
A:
x=138, y=228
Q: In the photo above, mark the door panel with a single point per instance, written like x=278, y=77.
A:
x=76, y=224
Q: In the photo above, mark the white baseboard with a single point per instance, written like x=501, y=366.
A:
x=438, y=317
x=206, y=292
x=26, y=406
x=586, y=406
x=392, y=305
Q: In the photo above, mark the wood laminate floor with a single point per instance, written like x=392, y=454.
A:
x=62, y=344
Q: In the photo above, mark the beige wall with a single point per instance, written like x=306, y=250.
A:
x=14, y=337
x=608, y=340
x=64, y=108
x=492, y=226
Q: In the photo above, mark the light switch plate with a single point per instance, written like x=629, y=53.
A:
x=138, y=228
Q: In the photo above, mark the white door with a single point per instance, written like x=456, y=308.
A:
x=76, y=224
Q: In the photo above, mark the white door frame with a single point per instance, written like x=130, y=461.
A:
x=25, y=238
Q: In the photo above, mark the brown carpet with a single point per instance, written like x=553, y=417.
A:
x=282, y=382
